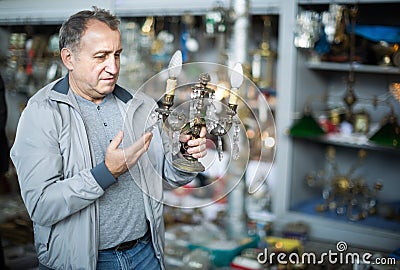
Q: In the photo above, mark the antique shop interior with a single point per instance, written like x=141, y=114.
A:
x=305, y=164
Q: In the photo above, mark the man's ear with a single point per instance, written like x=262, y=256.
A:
x=66, y=57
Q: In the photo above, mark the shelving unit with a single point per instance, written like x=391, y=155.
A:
x=299, y=156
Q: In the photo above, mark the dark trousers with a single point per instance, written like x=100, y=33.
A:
x=2, y=258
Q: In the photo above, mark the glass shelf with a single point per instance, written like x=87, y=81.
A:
x=357, y=67
x=376, y=221
x=359, y=142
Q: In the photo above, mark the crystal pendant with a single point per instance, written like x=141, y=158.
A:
x=235, y=150
x=220, y=153
x=152, y=121
x=173, y=120
x=175, y=142
x=211, y=119
x=192, y=111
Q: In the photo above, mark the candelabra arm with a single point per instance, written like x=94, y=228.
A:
x=233, y=108
x=167, y=103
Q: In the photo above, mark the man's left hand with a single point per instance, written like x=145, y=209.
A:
x=196, y=147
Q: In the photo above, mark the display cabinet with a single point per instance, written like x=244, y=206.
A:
x=337, y=179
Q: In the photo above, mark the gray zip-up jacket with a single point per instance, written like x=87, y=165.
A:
x=60, y=184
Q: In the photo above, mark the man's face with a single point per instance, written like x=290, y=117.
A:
x=96, y=63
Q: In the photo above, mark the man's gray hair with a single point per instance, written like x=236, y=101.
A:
x=72, y=29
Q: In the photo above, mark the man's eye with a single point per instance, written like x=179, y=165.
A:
x=102, y=56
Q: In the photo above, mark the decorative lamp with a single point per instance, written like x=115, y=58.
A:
x=202, y=113
x=389, y=133
x=306, y=126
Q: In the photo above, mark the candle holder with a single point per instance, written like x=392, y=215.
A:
x=202, y=113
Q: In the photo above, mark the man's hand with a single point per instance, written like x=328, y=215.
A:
x=196, y=147
x=119, y=160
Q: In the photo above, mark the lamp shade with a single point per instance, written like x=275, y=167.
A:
x=306, y=126
x=388, y=134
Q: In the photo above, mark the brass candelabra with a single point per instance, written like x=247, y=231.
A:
x=202, y=114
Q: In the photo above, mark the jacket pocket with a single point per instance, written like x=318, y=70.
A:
x=42, y=238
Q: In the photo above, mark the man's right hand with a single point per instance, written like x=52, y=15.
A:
x=119, y=160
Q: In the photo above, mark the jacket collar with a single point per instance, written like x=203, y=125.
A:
x=62, y=87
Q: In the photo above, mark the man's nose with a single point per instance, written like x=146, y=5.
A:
x=112, y=65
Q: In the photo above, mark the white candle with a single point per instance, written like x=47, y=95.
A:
x=233, y=96
x=171, y=85
x=174, y=69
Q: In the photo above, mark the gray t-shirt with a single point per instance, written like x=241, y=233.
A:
x=122, y=216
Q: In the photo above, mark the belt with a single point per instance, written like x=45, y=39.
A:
x=130, y=244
